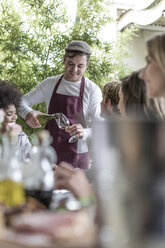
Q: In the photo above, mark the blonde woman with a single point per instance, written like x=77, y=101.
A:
x=154, y=72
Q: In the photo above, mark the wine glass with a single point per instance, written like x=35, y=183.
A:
x=63, y=122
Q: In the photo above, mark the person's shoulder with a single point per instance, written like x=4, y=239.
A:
x=52, y=79
x=91, y=85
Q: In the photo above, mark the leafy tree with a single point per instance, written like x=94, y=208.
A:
x=34, y=34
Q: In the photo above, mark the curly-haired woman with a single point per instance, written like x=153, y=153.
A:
x=10, y=98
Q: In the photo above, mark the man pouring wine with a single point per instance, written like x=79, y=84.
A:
x=72, y=94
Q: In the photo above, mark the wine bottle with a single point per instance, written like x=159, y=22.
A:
x=11, y=184
x=39, y=176
x=11, y=192
x=44, y=118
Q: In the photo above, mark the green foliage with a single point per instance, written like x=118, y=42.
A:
x=28, y=39
x=88, y=25
x=34, y=34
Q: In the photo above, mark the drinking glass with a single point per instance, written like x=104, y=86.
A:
x=63, y=122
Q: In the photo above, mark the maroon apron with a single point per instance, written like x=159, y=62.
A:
x=72, y=107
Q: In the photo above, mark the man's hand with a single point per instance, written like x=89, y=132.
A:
x=31, y=119
x=75, y=180
x=75, y=129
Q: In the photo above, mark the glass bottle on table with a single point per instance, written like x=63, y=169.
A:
x=38, y=174
x=11, y=184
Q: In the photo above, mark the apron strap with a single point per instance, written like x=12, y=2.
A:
x=80, y=101
x=56, y=87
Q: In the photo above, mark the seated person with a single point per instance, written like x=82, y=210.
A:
x=109, y=104
x=10, y=98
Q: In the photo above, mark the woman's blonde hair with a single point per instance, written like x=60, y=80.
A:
x=156, y=49
x=155, y=108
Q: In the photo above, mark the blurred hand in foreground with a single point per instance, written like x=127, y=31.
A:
x=75, y=180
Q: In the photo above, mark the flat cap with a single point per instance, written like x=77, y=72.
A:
x=78, y=45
